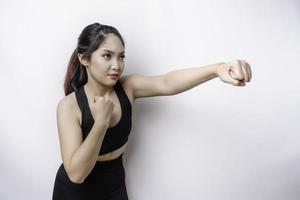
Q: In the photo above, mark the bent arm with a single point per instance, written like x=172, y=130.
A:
x=85, y=157
x=79, y=157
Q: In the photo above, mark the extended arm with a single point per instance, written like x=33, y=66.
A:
x=184, y=79
x=236, y=72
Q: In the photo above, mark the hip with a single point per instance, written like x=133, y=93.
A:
x=105, y=178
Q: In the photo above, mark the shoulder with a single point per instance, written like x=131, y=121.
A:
x=147, y=86
x=126, y=82
x=67, y=102
x=68, y=106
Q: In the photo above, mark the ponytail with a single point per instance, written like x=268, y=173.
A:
x=76, y=74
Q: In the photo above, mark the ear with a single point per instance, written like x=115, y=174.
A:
x=83, y=61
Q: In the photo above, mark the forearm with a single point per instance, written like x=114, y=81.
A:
x=184, y=79
x=85, y=157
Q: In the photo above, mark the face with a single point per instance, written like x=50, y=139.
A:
x=107, y=59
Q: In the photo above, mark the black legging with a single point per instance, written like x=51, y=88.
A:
x=106, y=181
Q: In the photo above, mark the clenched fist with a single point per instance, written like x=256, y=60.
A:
x=102, y=109
x=236, y=72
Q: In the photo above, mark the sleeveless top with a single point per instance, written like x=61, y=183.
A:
x=115, y=136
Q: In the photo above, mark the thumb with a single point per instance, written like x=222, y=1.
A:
x=233, y=78
x=232, y=74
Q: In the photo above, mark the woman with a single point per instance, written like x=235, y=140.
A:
x=94, y=118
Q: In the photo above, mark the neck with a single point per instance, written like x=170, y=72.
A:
x=96, y=89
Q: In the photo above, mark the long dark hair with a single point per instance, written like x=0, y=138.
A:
x=91, y=37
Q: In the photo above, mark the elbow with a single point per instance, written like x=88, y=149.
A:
x=171, y=89
x=171, y=92
x=75, y=176
x=76, y=179
x=168, y=89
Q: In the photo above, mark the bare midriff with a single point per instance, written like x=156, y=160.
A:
x=112, y=155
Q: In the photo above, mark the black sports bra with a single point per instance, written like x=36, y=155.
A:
x=115, y=136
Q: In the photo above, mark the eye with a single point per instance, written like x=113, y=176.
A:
x=123, y=56
x=104, y=55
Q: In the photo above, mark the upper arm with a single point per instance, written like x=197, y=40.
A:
x=147, y=86
x=69, y=130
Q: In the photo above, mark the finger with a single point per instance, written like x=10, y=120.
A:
x=230, y=79
x=237, y=82
x=234, y=78
x=237, y=70
x=245, y=72
x=232, y=74
x=249, y=71
x=241, y=83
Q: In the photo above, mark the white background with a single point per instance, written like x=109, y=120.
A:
x=213, y=142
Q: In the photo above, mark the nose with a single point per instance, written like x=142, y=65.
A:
x=116, y=65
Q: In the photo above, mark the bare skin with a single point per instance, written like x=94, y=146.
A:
x=79, y=157
x=115, y=118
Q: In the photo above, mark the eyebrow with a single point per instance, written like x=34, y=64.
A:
x=112, y=51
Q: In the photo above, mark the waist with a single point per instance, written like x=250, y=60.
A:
x=99, y=166
x=109, y=165
x=111, y=161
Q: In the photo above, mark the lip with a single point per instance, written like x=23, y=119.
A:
x=114, y=77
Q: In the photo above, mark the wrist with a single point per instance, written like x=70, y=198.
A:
x=101, y=124
x=218, y=67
